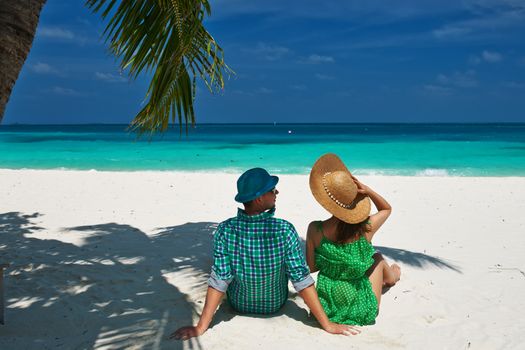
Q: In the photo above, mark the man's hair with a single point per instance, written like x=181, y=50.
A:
x=248, y=203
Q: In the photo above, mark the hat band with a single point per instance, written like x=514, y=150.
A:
x=338, y=202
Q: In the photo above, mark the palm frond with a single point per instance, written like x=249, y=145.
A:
x=167, y=39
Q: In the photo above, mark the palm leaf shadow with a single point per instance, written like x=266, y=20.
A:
x=416, y=259
x=109, y=292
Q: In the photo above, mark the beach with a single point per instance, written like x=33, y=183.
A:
x=125, y=125
x=113, y=260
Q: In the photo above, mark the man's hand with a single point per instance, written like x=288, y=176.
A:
x=187, y=332
x=343, y=329
x=213, y=299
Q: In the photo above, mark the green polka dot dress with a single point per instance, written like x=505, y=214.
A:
x=344, y=290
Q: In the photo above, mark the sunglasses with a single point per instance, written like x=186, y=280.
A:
x=274, y=190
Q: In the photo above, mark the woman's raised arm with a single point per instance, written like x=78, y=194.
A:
x=384, y=209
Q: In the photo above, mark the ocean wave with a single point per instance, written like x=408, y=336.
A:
x=403, y=172
x=375, y=172
x=432, y=172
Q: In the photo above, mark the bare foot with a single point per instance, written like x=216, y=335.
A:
x=393, y=278
x=397, y=272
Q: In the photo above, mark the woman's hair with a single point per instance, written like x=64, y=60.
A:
x=346, y=231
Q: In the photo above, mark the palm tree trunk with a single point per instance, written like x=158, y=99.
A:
x=18, y=22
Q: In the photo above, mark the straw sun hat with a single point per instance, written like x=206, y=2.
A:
x=332, y=186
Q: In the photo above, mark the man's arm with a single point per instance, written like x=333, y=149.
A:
x=218, y=282
x=213, y=299
x=309, y=295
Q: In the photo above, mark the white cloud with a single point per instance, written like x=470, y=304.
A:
x=264, y=90
x=462, y=20
x=270, y=52
x=298, y=87
x=443, y=79
x=437, y=89
x=59, y=90
x=459, y=79
x=334, y=9
x=83, y=21
x=446, y=84
x=487, y=18
x=42, y=68
x=491, y=57
x=451, y=31
x=513, y=85
x=317, y=59
x=241, y=92
x=474, y=59
x=110, y=78
x=485, y=56
x=55, y=33
x=324, y=76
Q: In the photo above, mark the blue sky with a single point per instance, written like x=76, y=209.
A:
x=300, y=61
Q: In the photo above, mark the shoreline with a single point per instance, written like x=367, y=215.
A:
x=176, y=126
x=238, y=172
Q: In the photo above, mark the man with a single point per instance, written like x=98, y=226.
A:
x=254, y=256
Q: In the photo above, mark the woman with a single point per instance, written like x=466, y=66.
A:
x=351, y=274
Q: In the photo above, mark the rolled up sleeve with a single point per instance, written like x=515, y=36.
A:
x=296, y=267
x=221, y=275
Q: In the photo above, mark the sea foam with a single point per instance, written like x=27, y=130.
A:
x=433, y=172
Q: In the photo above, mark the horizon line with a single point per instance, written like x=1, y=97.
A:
x=172, y=125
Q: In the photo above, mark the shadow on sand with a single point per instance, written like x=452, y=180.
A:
x=110, y=292
x=416, y=259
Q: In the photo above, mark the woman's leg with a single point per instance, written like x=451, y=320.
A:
x=376, y=279
x=381, y=274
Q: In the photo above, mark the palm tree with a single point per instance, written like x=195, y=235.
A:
x=18, y=21
x=163, y=37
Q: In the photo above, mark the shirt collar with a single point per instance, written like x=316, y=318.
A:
x=241, y=214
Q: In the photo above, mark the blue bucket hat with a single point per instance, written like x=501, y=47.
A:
x=254, y=183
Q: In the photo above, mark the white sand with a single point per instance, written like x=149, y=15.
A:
x=120, y=260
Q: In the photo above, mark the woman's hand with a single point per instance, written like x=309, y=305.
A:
x=361, y=188
x=185, y=333
x=343, y=329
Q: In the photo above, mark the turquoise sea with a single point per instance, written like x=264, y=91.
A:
x=390, y=149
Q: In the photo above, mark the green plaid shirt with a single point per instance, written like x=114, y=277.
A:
x=254, y=256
